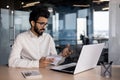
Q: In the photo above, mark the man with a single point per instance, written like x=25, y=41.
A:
x=31, y=47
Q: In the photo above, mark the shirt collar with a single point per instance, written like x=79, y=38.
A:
x=33, y=35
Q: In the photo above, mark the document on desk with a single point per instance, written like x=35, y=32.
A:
x=31, y=74
x=57, y=59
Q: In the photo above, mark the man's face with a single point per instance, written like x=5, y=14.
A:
x=40, y=25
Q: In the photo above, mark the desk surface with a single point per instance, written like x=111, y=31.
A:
x=7, y=73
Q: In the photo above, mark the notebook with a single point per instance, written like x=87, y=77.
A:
x=88, y=59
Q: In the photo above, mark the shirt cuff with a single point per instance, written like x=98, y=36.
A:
x=36, y=64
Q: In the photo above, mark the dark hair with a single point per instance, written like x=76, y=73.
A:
x=39, y=11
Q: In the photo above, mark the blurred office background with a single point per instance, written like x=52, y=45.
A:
x=74, y=22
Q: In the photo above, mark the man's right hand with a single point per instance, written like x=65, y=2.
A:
x=66, y=51
x=44, y=62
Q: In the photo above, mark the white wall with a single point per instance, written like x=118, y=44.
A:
x=114, y=34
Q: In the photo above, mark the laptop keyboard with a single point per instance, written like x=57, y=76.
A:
x=72, y=68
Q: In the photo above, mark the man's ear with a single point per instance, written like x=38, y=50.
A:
x=32, y=23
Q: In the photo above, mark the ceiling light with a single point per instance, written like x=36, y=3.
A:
x=81, y=5
x=96, y=1
x=50, y=9
x=22, y=3
x=31, y=4
x=7, y=6
x=106, y=8
x=104, y=0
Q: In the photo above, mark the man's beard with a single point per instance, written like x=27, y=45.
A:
x=38, y=31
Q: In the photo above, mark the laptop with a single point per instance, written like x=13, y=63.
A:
x=88, y=59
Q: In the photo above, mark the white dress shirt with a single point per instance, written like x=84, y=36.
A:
x=28, y=49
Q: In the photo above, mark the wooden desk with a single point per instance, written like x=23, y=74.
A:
x=7, y=73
